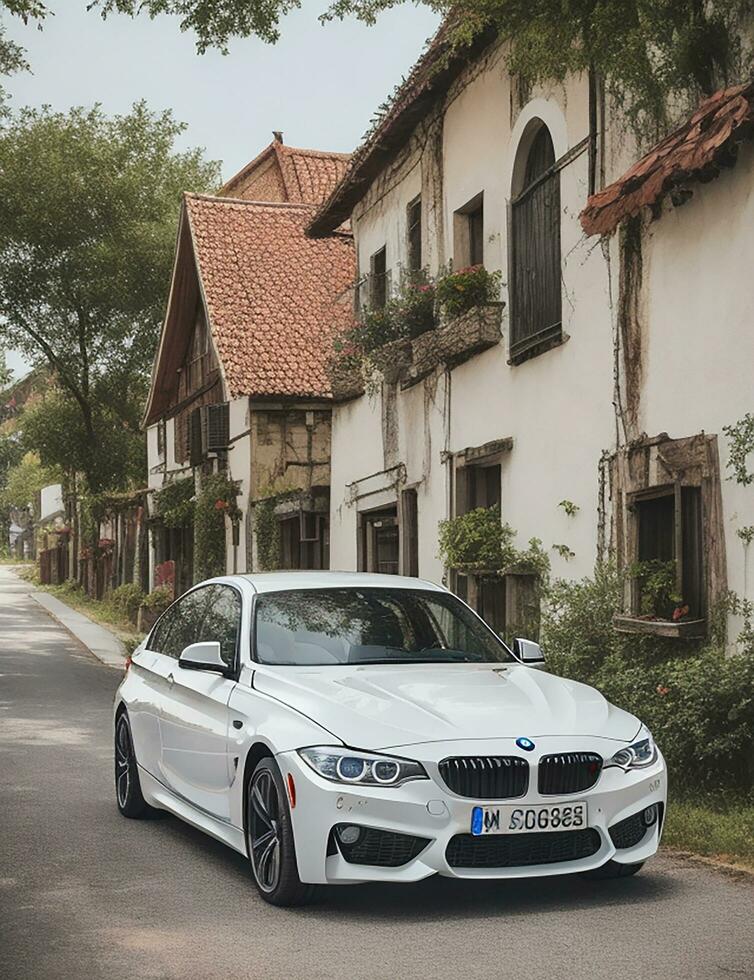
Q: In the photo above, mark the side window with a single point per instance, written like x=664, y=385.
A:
x=222, y=621
x=187, y=625
x=161, y=632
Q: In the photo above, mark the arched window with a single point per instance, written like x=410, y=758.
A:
x=535, y=246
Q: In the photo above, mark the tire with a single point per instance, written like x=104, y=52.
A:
x=269, y=839
x=128, y=795
x=612, y=869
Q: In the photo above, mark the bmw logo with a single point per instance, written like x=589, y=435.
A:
x=525, y=743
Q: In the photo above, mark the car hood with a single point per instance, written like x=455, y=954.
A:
x=378, y=706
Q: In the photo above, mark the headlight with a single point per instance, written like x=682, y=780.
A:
x=638, y=755
x=350, y=766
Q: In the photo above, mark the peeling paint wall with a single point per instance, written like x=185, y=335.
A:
x=556, y=407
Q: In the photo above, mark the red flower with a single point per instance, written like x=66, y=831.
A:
x=221, y=504
x=679, y=612
x=662, y=690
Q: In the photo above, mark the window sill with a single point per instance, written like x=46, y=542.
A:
x=539, y=343
x=689, y=629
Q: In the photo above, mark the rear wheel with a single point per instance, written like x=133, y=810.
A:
x=613, y=869
x=128, y=795
x=269, y=839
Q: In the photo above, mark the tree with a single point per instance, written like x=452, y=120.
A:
x=88, y=213
x=651, y=54
x=25, y=479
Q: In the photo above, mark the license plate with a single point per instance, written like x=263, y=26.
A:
x=513, y=819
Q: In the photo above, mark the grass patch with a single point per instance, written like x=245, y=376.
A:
x=100, y=610
x=723, y=831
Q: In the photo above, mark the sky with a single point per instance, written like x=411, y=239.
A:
x=320, y=84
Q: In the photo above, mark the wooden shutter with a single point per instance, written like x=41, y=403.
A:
x=535, y=242
x=217, y=427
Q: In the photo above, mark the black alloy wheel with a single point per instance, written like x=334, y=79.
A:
x=269, y=839
x=129, y=798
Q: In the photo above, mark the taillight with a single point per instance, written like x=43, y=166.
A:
x=128, y=662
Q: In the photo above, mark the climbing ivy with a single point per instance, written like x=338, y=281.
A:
x=174, y=504
x=740, y=448
x=216, y=499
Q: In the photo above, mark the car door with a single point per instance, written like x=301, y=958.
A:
x=149, y=669
x=196, y=763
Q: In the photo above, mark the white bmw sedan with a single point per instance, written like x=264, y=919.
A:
x=340, y=728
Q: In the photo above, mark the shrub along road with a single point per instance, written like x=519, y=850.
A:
x=87, y=894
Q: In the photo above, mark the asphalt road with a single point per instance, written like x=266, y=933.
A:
x=88, y=895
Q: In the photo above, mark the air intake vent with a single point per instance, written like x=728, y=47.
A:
x=486, y=777
x=521, y=850
x=568, y=772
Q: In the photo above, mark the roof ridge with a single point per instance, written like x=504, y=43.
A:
x=216, y=199
x=303, y=151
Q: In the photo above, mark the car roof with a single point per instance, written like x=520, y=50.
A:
x=285, y=581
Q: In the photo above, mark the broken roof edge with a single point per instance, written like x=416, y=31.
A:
x=694, y=152
x=427, y=82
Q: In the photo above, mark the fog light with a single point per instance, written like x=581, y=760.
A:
x=349, y=834
x=650, y=815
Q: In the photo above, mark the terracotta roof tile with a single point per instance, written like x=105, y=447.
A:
x=696, y=150
x=308, y=176
x=275, y=298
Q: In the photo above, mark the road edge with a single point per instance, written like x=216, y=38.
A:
x=96, y=639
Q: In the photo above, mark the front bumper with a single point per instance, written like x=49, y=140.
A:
x=428, y=809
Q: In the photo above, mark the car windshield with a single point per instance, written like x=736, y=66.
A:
x=371, y=626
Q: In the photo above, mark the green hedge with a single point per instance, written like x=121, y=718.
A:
x=698, y=702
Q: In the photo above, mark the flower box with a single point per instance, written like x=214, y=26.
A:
x=346, y=380
x=426, y=354
x=395, y=360
x=684, y=629
x=472, y=332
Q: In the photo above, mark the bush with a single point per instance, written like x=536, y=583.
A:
x=126, y=600
x=459, y=292
x=478, y=541
x=158, y=600
x=698, y=702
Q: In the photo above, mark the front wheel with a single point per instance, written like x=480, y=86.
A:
x=128, y=795
x=613, y=869
x=269, y=839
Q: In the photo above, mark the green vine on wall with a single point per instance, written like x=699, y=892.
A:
x=740, y=448
x=174, y=504
x=216, y=499
x=267, y=529
x=478, y=541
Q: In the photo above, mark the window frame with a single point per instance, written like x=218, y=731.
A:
x=378, y=257
x=464, y=219
x=526, y=342
x=414, y=245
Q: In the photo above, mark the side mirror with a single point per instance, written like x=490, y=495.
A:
x=203, y=656
x=528, y=652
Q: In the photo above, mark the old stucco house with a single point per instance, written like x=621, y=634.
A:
x=589, y=403
x=239, y=383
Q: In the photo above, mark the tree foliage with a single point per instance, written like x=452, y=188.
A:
x=88, y=212
x=653, y=55
x=24, y=480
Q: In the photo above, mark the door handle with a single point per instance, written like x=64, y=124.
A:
x=171, y=679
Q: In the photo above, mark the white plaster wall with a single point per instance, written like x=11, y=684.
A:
x=158, y=468
x=557, y=407
x=699, y=343
x=51, y=501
